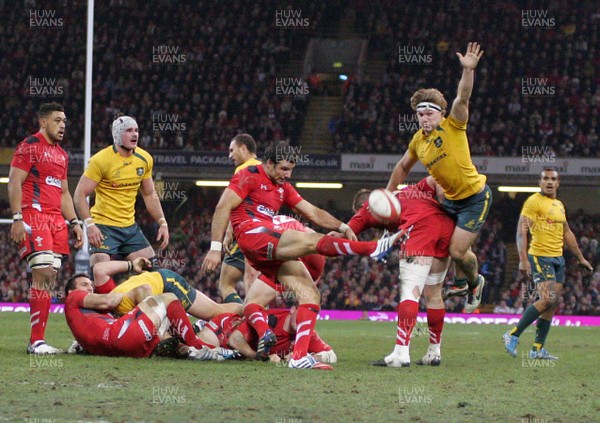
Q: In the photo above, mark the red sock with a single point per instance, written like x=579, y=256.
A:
x=182, y=327
x=306, y=318
x=106, y=287
x=407, y=317
x=256, y=316
x=435, y=321
x=331, y=247
x=39, y=304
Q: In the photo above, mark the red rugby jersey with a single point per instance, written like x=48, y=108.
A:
x=262, y=198
x=46, y=165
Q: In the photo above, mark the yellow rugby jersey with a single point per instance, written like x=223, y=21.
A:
x=154, y=279
x=119, y=180
x=547, y=231
x=249, y=162
x=446, y=156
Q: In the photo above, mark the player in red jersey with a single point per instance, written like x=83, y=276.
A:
x=39, y=197
x=423, y=265
x=137, y=333
x=232, y=331
x=253, y=197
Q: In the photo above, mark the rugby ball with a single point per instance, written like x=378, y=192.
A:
x=384, y=205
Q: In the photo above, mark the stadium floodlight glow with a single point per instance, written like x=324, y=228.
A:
x=322, y=185
x=343, y=77
x=4, y=180
x=212, y=183
x=518, y=189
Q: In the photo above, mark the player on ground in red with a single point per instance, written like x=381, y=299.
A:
x=423, y=265
x=253, y=197
x=39, y=198
x=137, y=333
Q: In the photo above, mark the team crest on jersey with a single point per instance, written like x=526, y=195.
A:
x=438, y=142
x=139, y=171
x=280, y=190
x=39, y=240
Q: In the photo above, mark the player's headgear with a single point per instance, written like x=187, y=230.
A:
x=119, y=126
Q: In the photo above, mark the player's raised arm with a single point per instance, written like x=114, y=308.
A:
x=154, y=207
x=229, y=200
x=401, y=171
x=105, y=270
x=460, y=106
x=324, y=219
x=102, y=301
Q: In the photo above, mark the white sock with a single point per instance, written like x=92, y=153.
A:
x=434, y=349
x=402, y=351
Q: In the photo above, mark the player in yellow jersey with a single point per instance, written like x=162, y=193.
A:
x=146, y=282
x=442, y=146
x=242, y=150
x=543, y=215
x=117, y=173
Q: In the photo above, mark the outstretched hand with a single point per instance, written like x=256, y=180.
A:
x=471, y=57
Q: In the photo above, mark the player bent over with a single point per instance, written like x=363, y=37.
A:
x=137, y=333
x=252, y=198
x=160, y=281
x=40, y=201
x=232, y=331
x=423, y=265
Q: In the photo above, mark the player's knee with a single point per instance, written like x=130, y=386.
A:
x=167, y=297
x=458, y=252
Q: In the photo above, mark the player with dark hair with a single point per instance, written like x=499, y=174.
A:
x=543, y=216
x=423, y=265
x=116, y=173
x=137, y=333
x=442, y=146
x=242, y=150
x=252, y=198
x=40, y=201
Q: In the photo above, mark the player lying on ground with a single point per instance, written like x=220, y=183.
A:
x=253, y=197
x=137, y=333
x=423, y=265
x=233, y=331
x=162, y=280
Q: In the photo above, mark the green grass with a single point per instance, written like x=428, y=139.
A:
x=477, y=381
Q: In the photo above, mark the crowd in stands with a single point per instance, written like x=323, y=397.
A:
x=350, y=283
x=193, y=73
x=536, y=85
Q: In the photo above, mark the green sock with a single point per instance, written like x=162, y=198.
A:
x=543, y=327
x=233, y=298
x=531, y=313
x=460, y=282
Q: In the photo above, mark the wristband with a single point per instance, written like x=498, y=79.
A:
x=17, y=216
x=216, y=246
x=163, y=220
x=129, y=266
x=343, y=228
x=75, y=221
x=89, y=222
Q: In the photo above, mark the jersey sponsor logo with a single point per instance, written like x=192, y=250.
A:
x=55, y=182
x=265, y=210
x=434, y=161
x=139, y=171
x=144, y=328
x=128, y=184
x=264, y=187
